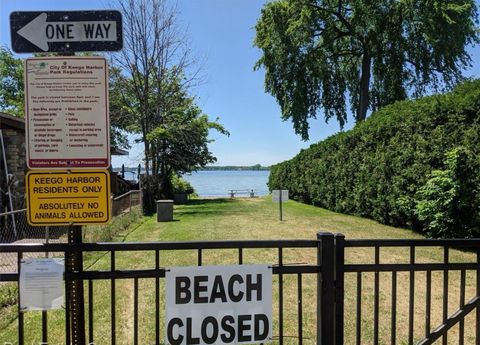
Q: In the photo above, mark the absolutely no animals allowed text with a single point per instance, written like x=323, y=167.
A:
x=78, y=197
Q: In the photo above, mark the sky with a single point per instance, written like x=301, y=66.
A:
x=221, y=34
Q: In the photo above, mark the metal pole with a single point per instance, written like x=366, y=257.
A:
x=339, y=287
x=47, y=238
x=74, y=264
x=8, y=184
x=140, y=189
x=280, y=199
x=44, y=312
x=325, y=289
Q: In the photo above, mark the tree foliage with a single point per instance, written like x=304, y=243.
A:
x=325, y=54
x=154, y=89
x=414, y=164
x=11, y=83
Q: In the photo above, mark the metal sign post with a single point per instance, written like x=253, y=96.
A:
x=75, y=299
x=75, y=295
x=67, y=127
x=280, y=196
x=280, y=203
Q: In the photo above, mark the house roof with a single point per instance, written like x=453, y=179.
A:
x=114, y=151
x=10, y=121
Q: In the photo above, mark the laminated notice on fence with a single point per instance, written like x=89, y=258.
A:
x=41, y=284
x=218, y=305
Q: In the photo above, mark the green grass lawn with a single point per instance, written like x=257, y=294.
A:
x=258, y=218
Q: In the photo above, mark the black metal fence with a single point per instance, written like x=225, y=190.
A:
x=193, y=253
x=413, y=301
x=388, y=292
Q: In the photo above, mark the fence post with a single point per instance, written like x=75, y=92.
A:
x=325, y=289
x=75, y=300
x=339, y=286
x=129, y=202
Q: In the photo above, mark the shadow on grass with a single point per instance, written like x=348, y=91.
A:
x=207, y=206
x=208, y=201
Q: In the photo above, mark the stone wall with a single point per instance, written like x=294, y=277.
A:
x=14, y=140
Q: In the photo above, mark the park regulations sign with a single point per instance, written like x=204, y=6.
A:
x=74, y=197
x=218, y=305
x=66, y=111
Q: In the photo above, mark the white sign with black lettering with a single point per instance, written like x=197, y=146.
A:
x=218, y=305
x=41, y=284
x=280, y=195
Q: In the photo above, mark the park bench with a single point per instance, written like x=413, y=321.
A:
x=251, y=192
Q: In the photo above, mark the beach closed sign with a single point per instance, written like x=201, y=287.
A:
x=218, y=305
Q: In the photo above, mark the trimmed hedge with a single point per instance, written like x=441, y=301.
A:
x=387, y=168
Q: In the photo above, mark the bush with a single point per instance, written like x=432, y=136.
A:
x=445, y=204
x=377, y=169
x=8, y=295
x=8, y=300
x=117, y=227
x=180, y=185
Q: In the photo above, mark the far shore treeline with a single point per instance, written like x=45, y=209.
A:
x=412, y=164
x=256, y=167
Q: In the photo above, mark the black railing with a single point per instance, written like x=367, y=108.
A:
x=420, y=330
x=280, y=268
x=309, y=297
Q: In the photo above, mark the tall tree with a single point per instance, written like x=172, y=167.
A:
x=154, y=86
x=322, y=54
x=180, y=138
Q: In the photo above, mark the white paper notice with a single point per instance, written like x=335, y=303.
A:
x=41, y=284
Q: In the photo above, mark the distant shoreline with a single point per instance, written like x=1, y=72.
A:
x=257, y=167
x=209, y=168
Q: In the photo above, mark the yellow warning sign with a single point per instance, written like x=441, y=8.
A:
x=73, y=197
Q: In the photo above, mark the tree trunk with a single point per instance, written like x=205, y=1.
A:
x=148, y=188
x=147, y=159
x=364, y=88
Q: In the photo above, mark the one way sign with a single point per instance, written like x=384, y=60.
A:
x=66, y=31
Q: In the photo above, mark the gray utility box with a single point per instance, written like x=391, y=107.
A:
x=180, y=198
x=164, y=210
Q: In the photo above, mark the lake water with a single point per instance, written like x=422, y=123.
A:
x=219, y=183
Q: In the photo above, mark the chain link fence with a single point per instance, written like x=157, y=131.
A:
x=14, y=228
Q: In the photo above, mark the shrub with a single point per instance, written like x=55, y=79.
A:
x=377, y=169
x=446, y=204
x=180, y=185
